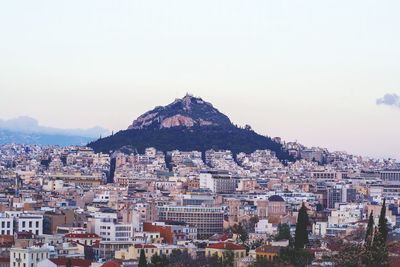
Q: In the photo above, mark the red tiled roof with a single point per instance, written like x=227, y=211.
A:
x=111, y=263
x=74, y=262
x=219, y=237
x=24, y=234
x=4, y=260
x=81, y=236
x=227, y=246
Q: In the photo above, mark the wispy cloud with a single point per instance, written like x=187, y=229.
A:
x=392, y=100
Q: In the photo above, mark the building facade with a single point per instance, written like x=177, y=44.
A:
x=207, y=220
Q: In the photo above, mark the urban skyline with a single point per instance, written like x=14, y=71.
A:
x=390, y=102
x=291, y=70
x=213, y=133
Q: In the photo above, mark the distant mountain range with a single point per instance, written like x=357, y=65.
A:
x=26, y=130
x=187, y=124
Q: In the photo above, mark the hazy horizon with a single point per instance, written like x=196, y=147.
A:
x=322, y=73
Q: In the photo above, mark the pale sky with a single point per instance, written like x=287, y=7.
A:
x=310, y=71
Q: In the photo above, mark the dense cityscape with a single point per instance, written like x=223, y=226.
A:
x=70, y=206
x=179, y=133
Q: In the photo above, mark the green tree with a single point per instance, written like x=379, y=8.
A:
x=89, y=253
x=142, y=259
x=214, y=260
x=243, y=235
x=183, y=258
x=301, y=235
x=241, y=232
x=158, y=261
x=383, y=228
x=378, y=255
x=295, y=257
x=283, y=232
x=228, y=259
x=370, y=229
x=252, y=223
x=351, y=255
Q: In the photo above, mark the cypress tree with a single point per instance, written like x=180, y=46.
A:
x=301, y=234
x=370, y=229
x=379, y=252
x=142, y=259
x=383, y=222
x=283, y=232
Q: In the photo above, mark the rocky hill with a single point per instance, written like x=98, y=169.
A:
x=187, y=124
x=187, y=112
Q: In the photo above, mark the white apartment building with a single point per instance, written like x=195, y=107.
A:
x=25, y=222
x=385, y=190
x=331, y=176
x=346, y=214
x=53, y=185
x=103, y=197
x=391, y=176
x=13, y=214
x=6, y=225
x=218, y=182
x=207, y=220
x=30, y=223
x=110, y=230
x=265, y=227
x=28, y=257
